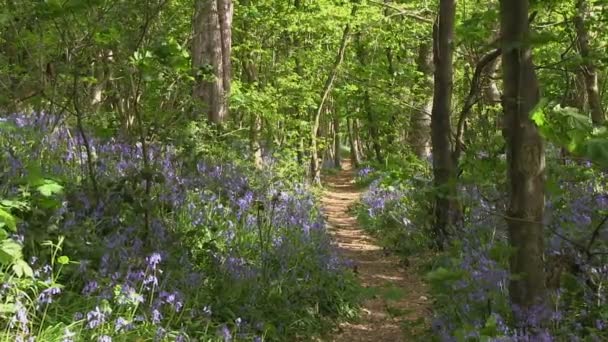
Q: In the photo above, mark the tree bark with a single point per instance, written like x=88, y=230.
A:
x=588, y=68
x=443, y=165
x=337, y=136
x=367, y=106
x=525, y=158
x=420, y=122
x=357, y=139
x=471, y=99
x=315, y=170
x=255, y=125
x=491, y=93
x=211, y=48
x=353, y=143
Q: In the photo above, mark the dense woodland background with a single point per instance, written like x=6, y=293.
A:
x=161, y=162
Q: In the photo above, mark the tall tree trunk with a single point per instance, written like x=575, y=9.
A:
x=315, y=170
x=373, y=127
x=443, y=165
x=337, y=145
x=367, y=105
x=255, y=125
x=420, y=122
x=357, y=138
x=525, y=158
x=588, y=68
x=211, y=48
x=491, y=93
x=581, y=100
x=355, y=157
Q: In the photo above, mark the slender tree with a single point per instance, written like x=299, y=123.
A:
x=211, y=49
x=355, y=157
x=420, y=135
x=443, y=164
x=315, y=167
x=588, y=68
x=525, y=157
x=367, y=103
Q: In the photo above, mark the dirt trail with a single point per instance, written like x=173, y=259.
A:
x=397, y=305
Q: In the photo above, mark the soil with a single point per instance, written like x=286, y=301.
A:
x=396, y=305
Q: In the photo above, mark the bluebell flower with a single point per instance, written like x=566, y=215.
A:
x=46, y=296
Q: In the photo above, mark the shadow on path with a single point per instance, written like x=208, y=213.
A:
x=397, y=306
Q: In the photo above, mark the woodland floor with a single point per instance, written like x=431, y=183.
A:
x=396, y=307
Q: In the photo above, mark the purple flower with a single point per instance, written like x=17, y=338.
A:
x=46, y=296
x=160, y=334
x=156, y=316
x=95, y=318
x=121, y=324
x=226, y=334
x=104, y=338
x=153, y=260
x=90, y=287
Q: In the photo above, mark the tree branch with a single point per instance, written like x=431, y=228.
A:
x=402, y=12
x=594, y=236
x=472, y=98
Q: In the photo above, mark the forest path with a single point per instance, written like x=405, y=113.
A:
x=395, y=307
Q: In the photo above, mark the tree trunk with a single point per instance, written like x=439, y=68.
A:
x=491, y=93
x=211, y=48
x=420, y=122
x=367, y=105
x=588, y=68
x=443, y=165
x=355, y=157
x=357, y=139
x=525, y=159
x=255, y=125
x=581, y=101
x=315, y=170
x=337, y=145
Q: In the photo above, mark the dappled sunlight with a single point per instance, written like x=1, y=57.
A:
x=394, y=288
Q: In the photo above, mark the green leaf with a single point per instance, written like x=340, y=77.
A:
x=491, y=327
x=50, y=188
x=8, y=220
x=10, y=251
x=443, y=274
x=21, y=268
x=538, y=113
x=597, y=150
x=63, y=260
x=8, y=308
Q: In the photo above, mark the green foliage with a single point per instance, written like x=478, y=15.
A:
x=568, y=128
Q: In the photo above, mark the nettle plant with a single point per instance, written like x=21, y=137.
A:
x=163, y=246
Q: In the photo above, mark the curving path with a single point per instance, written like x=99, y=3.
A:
x=396, y=306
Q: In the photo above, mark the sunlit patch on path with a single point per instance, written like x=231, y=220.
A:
x=396, y=307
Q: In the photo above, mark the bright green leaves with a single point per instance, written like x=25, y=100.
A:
x=21, y=268
x=568, y=128
x=10, y=251
x=63, y=260
x=49, y=188
x=11, y=254
x=7, y=220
